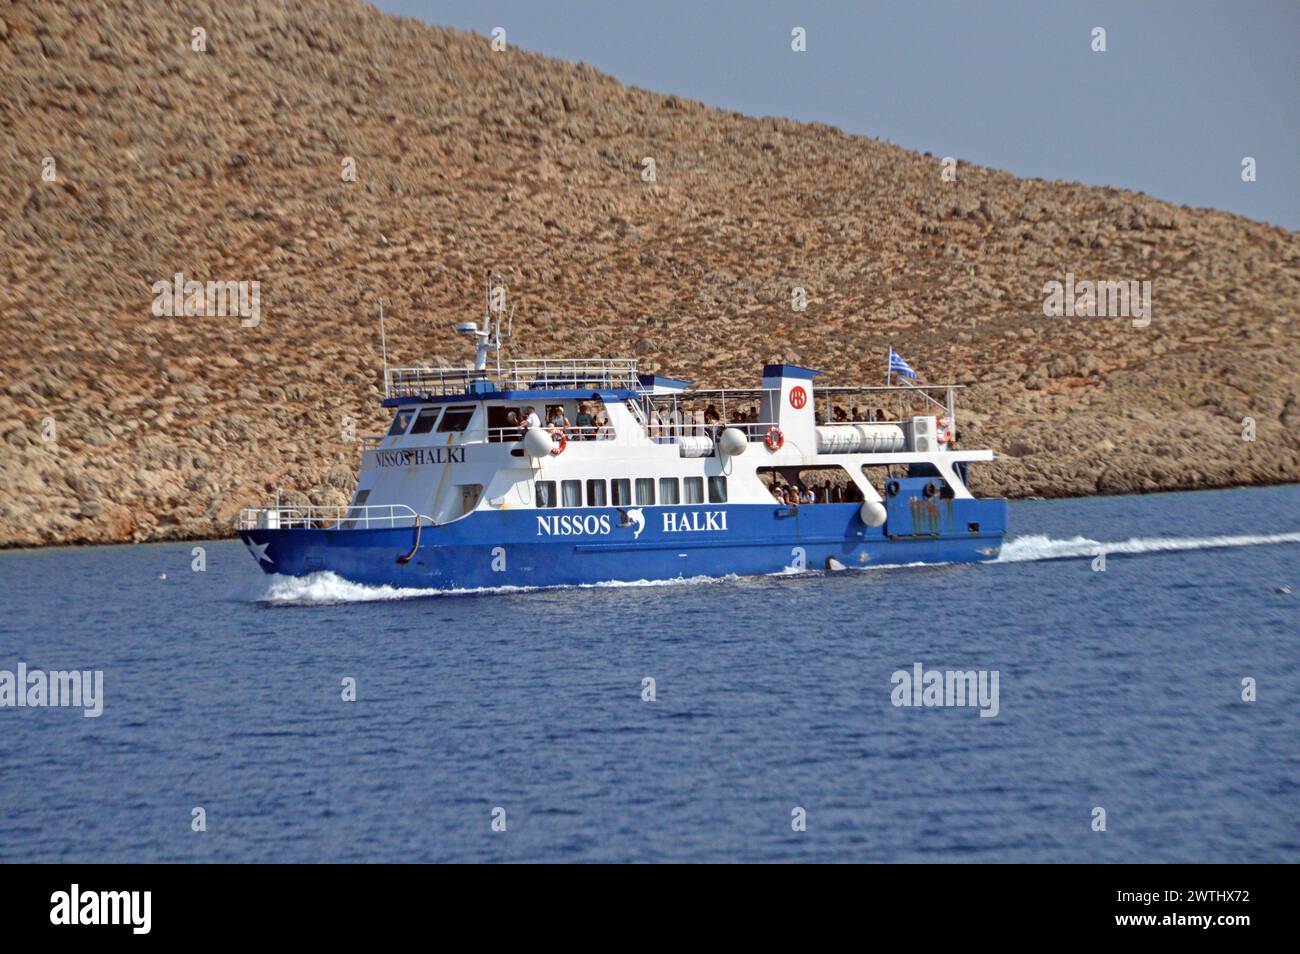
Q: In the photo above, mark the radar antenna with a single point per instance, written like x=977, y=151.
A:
x=488, y=337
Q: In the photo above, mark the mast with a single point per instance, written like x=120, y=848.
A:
x=488, y=336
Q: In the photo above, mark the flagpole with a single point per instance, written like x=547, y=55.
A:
x=889, y=364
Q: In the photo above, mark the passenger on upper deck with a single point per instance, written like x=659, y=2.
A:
x=531, y=420
x=559, y=420
x=584, y=423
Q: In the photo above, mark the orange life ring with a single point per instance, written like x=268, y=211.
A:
x=558, y=435
x=774, y=440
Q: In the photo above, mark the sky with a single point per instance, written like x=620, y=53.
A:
x=1183, y=92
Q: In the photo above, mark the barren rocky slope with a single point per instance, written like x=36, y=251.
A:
x=226, y=164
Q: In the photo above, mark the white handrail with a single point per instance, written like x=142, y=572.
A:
x=329, y=517
x=522, y=374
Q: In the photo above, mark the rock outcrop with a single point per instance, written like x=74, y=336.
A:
x=148, y=138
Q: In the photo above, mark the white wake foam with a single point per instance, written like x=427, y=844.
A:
x=326, y=588
x=1041, y=547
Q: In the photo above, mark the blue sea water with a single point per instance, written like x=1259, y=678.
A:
x=1119, y=689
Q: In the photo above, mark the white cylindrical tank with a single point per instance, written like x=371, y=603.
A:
x=537, y=443
x=882, y=438
x=694, y=446
x=733, y=441
x=836, y=439
x=860, y=439
x=872, y=513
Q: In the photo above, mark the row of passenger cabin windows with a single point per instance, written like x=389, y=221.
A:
x=626, y=492
x=455, y=419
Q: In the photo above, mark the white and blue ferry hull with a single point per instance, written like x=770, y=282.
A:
x=461, y=493
x=581, y=546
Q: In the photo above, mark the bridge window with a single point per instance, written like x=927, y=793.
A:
x=694, y=490
x=620, y=491
x=645, y=491
x=457, y=419
x=596, y=493
x=545, y=493
x=401, y=421
x=424, y=423
x=668, y=490
x=717, y=490
x=571, y=493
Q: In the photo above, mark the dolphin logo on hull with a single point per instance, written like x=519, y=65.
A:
x=637, y=518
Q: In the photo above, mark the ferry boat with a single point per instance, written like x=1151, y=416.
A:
x=636, y=477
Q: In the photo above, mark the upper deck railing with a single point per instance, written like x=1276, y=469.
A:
x=329, y=517
x=597, y=374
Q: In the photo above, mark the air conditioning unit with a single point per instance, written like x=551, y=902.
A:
x=923, y=434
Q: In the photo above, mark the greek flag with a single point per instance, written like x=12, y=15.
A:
x=898, y=366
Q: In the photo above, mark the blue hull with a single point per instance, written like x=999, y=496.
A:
x=565, y=547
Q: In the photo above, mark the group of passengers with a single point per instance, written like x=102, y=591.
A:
x=588, y=426
x=671, y=422
x=816, y=493
x=683, y=421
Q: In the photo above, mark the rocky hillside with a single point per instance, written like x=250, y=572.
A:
x=129, y=156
